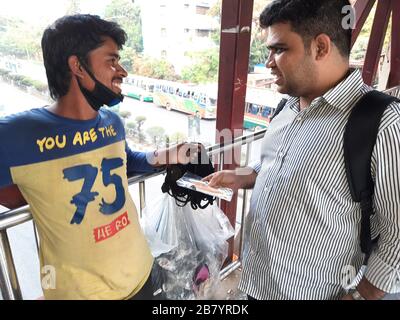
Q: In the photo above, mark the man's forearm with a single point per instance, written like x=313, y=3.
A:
x=246, y=177
x=11, y=197
x=369, y=291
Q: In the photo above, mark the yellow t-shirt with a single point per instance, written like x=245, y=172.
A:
x=73, y=175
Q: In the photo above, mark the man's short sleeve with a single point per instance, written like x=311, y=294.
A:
x=5, y=174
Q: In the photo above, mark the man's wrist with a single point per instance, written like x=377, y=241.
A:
x=356, y=295
x=369, y=291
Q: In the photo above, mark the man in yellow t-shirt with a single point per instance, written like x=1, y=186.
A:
x=70, y=163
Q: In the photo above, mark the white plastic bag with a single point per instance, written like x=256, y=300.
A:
x=189, y=245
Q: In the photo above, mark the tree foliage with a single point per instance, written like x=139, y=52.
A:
x=258, y=49
x=127, y=15
x=20, y=39
x=153, y=68
x=157, y=135
x=205, y=67
x=177, y=137
x=139, y=124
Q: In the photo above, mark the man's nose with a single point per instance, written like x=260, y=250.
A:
x=122, y=71
x=270, y=62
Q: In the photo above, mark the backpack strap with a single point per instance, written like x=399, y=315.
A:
x=359, y=141
x=279, y=108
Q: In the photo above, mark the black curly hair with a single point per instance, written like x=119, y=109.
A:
x=310, y=18
x=74, y=35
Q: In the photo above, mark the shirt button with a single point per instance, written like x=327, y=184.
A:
x=299, y=118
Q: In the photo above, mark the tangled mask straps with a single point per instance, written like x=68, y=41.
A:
x=203, y=167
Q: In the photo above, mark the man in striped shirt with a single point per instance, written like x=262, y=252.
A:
x=302, y=230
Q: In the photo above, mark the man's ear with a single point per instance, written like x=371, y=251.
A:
x=75, y=66
x=322, y=46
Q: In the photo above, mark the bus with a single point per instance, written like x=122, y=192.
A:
x=187, y=98
x=259, y=107
x=138, y=87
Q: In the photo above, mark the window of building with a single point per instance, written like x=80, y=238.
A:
x=201, y=10
x=164, y=53
x=163, y=32
x=186, y=6
x=163, y=8
x=186, y=30
x=202, y=33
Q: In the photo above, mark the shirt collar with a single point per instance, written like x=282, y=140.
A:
x=341, y=96
x=293, y=103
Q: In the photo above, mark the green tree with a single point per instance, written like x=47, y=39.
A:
x=131, y=129
x=127, y=15
x=258, y=52
x=153, y=68
x=157, y=135
x=139, y=124
x=131, y=125
x=127, y=57
x=205, y=67
x=125, y=114
x=177, y=137
x=20, y=39
x=258, y=48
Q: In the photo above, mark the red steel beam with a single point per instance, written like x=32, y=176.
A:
x=236, y=19
x=394, y=77
x=362, y=9
x=376, y=39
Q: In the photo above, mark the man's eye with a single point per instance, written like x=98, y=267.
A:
x=279, y=50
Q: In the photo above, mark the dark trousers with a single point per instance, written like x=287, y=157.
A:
x=151, y=288
x=146, y=293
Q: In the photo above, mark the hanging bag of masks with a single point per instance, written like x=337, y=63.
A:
x=187, y=233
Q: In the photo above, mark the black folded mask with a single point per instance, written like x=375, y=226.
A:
x=183, y=196
x=101, y=95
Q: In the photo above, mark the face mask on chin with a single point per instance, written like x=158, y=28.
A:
x=101, y=95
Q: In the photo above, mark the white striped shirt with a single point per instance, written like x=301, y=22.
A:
x=302, y=230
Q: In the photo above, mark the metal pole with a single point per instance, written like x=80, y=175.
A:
x=142, y=196
x=36, y=236
x=394, y=78
x=244, y=205
x=9, y=285
x=229, y=269
x=376, y=39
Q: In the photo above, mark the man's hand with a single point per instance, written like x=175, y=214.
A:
x=182, y=153
x=187, y=153
x=347, y=297
x=240, y=178
x=367, y=291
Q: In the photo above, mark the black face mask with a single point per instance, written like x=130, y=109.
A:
x=101, y=95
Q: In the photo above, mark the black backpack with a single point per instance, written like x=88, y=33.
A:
x=359, y=141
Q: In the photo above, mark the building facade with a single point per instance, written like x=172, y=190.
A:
x=172, y=28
